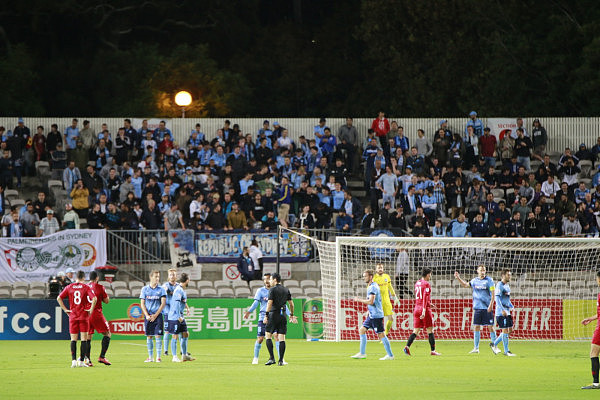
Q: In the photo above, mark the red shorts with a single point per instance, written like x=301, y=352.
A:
x=98, y=323
x=78, y=326
x=426, y=322
x=596, y=337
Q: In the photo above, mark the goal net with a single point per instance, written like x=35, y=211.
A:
x=553, y=284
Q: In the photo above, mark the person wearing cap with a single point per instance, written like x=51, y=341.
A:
x=319, y=130
x=21, y=130
x=446, y=129
x=476, y=123
x=265, y=130
x=277, y=130
x=584, y=153
x=48, y=225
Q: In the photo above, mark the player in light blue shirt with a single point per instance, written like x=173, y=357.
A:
x=153, y=299
x=374, y=318
x=503, y=309
x=177, y=324
x=169, y=287
x=483, y=304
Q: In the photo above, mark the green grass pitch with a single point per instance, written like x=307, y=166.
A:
x=316, y=370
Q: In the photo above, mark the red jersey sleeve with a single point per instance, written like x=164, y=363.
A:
x=598, y=307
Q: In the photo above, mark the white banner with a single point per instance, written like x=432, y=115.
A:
x=36, y=259
x=285, y=269
x=231, y=273
x=502, y=126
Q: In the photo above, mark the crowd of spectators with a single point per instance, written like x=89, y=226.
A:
x=138, y=178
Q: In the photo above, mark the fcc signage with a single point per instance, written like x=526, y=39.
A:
x=32, y=320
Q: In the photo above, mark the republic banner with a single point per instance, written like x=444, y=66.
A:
x=36, y=259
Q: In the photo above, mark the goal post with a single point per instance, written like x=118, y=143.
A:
x=553, y=284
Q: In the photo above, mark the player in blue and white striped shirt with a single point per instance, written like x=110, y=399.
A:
x=503, y=309
x=483, y=304
x=261, y=298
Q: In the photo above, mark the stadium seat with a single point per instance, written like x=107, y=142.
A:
x=4, y=293
x=37, y=285
x=208, y=292
x=5, y=285
x=445, y=292
x=122, y=292
x=291, y=283
x=308, y=283
x=105, y=284
x=137, y=285
x=37, y=294
x=135, y=292
x=242, y=292
x=577, y=284
x=296, y=291
x=20, y=285
x=442, y=283
x=581, y=293
x=319, y=283
x=109, y=291
x=222, y=284
x=357, y=283
x=19, y=294
x=312, y=292
x=239, y=283
x=255, y=285
x=11, y=194
x=55, y=184
x=17, y=202
x=119, y=285
x=192, y=292
x=586, y=166
x=498, y=193
x=344, y=283
x=543, y=284
x=192, y=285
x=204, y=284
x=562, y=292
x=225, y=292
x=559, y=284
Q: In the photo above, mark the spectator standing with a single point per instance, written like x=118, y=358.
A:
x=245, y=266
x=348, y=141
x=381, y=126
x=257, y=259
x=88, y=138
x=540, y=139
x=488, y=146
x=39, y=144
x=523, y=147
x=70, y=219
x=29, y=221
x=71, y=136
x=423, y=144
x=173, y=218
x=80, y=195
x=476, y=123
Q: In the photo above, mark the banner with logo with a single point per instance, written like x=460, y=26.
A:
x=503, y=126
x=36, y=259
x=181, y=246
x=32, y=320
x=208, y=319
x=223, y=247
x=539, y=318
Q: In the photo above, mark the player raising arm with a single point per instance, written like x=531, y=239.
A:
x=374, y=318
x=422, y=317
x=97, y=321
x=385, y=286
x=503, y=309
x=595, y=349
x=275, y=319
x=79, y=312
x=177, y=324
x=483, y=304
x=153, y=299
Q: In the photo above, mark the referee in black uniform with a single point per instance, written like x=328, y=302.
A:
x=275, y=319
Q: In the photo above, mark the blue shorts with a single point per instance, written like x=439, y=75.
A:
x=483, y=317
x=154, y=328
x=504, y=322
x=176, y=327
x=374, y=323
x=262, y=328
x=166, y=324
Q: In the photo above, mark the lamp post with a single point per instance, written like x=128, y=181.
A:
x=183, y=99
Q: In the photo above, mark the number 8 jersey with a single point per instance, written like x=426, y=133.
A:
x=78, y=293
x=422, y=295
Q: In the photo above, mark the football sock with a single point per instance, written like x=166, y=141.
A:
x=270, y=348
x=505, y=341
x=105, y=343
x=281, y=349
x=82, y=350
x=150, y=345
x=158, y=346
x=174, y=345
x=388, y=327
x=493, y=336
x=595, y=368
x=432, y=341
x=363, y=344
x=498, y=339
x=411, y=339
x=386, y=345
x=257, y=347
x=88, y=349
x=476, y=338
x=165, y=342
x=73, y=350
x=183, y=343
x=277, y=346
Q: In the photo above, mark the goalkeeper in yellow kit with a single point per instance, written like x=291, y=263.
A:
x=385, y=286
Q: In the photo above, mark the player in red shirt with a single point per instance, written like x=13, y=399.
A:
x=79, y=311
x=422, y=317
x=595, y=350
x=97, y=321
